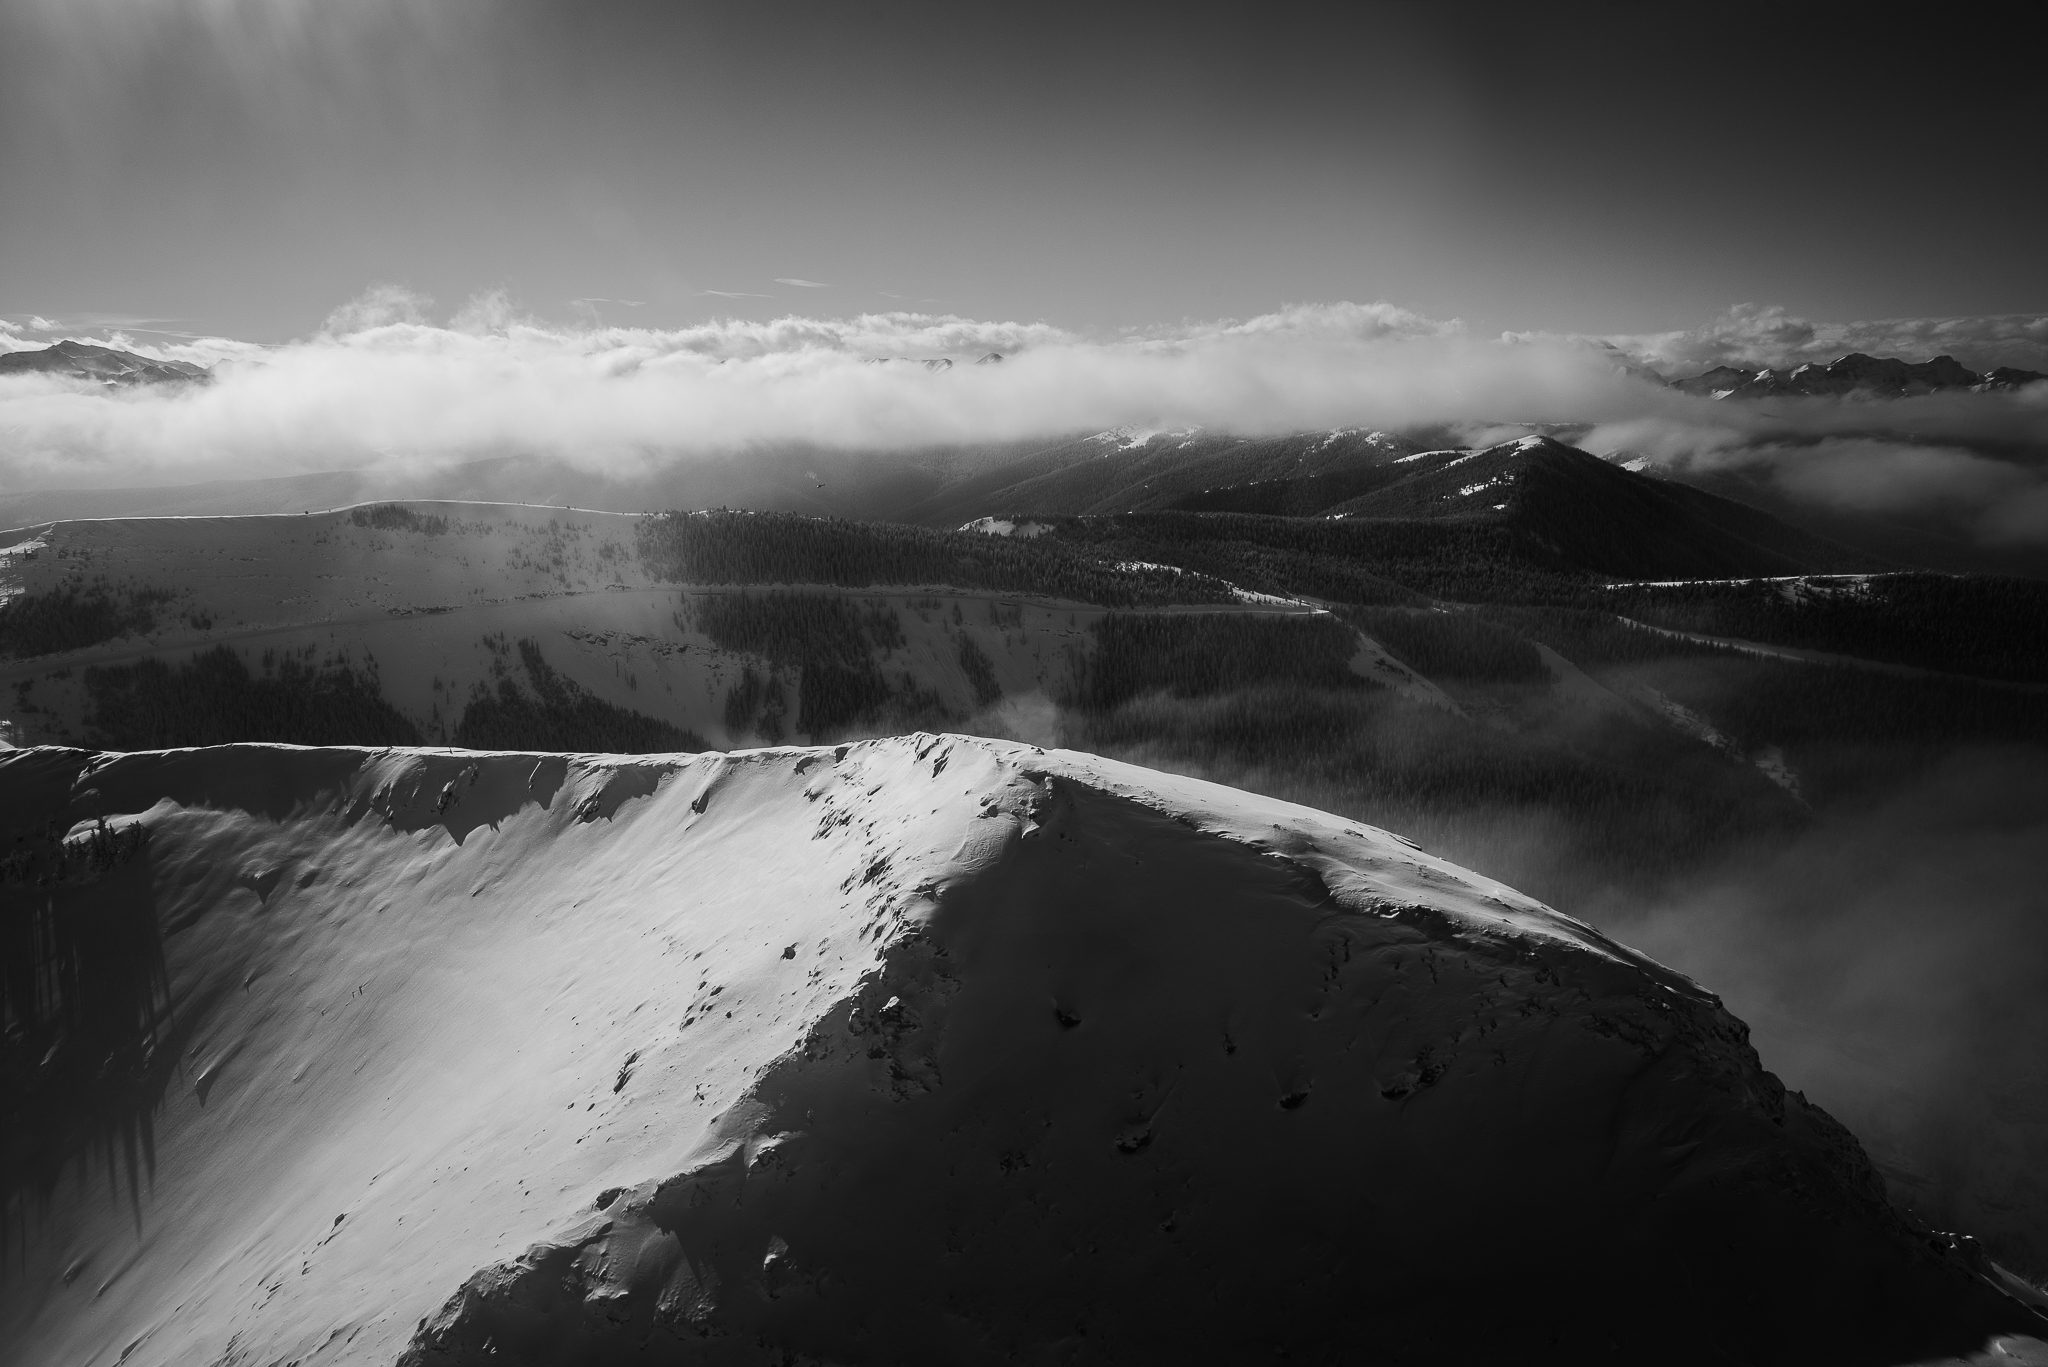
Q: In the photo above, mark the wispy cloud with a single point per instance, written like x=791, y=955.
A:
x=378, y=306
x=735, y=294
x=123, y=323
x=801, y=284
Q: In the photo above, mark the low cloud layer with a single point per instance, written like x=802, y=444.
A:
x=381, y=382
x=390, y=381
x=1969, y=465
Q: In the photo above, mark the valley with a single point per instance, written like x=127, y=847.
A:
x=1616, y=697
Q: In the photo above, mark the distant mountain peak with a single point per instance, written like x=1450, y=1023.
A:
x=1855, y=373
x=108, y=365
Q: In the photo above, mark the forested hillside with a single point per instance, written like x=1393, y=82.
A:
x=780, y=548
x=1986, y=625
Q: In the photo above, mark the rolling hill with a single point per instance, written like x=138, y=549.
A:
x=1526, y=521
x=502, y=625
x=1126, y=471
x=103, y=365
x=1595, y=516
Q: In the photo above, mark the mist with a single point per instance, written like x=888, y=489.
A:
x=1889, y=964
x=1977, y=463
x=1886, y=949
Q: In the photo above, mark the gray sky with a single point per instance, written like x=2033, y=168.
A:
x=241, y=167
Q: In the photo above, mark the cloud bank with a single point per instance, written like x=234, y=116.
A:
x=1968, y=465
x=383, y=384
x=379, y=381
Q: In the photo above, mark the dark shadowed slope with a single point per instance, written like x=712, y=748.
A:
x=1526, y=521
x=1533, y=506
x=1599, y=517
x=919, y=1050
x=1117, y=472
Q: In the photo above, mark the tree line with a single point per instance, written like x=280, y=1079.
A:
x=396, y=517
x=723, y=547
x=214, y=699
x=73, y=617
x=1986, y=625
x=557, y=714
x=1200, y=654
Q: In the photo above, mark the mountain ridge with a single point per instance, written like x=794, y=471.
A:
x=1855, y=373
x=440, y=1009
x=108, y=365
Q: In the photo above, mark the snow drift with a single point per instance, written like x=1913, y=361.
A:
x=928, y=1049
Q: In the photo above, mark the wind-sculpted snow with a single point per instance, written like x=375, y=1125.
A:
x=927, y=1049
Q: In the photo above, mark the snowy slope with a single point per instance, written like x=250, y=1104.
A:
x=429, y=603
x=928, y=1049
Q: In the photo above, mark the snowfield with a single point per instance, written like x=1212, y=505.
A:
x=929, y=1049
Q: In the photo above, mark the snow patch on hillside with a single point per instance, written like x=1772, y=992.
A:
x=1130, y=438
x=1002, y=526
x=1372, y=661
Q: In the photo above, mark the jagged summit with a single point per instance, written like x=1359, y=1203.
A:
x=1855, y=373
x=85, y=361
x=926, y=1049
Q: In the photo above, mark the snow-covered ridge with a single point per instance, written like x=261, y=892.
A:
x=1130, y=438
x=833, y=1051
